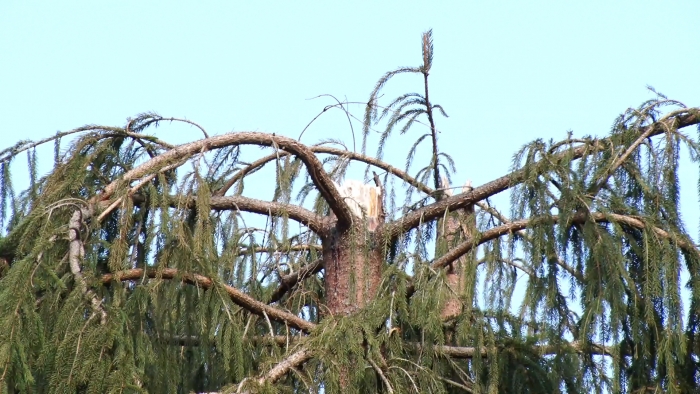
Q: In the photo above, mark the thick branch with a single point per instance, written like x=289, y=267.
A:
x=437, y=209
x=314, y=222
x=240, y=298
x=318, y=175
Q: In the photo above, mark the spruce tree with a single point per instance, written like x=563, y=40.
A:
x=136, y=265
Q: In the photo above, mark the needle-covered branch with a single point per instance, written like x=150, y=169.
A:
x=436, y=210
x=518, y=225
x=238, y=297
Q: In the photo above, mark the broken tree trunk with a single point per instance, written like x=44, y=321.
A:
x=353, y=256
x=453, y=229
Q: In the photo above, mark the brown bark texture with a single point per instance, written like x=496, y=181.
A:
x=453, y=230
x=353, y=256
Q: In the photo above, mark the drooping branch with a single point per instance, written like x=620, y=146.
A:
x=7, y=154
x=434, y=211
x=517, y=225
x=314, y=222
x=318, y=175
x=238, y=297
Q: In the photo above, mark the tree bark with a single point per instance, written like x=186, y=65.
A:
x=455, y=228
x=353, y=256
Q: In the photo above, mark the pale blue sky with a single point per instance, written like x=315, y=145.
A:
x=506, y=72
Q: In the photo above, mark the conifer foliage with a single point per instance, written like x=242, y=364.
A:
x=136, y=265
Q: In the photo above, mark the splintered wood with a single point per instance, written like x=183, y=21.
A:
x=365, y=201
x=353, y=257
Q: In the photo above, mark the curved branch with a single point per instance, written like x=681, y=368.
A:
x=314, y=222
x=256, y=165
x=436, y=210
x=238, y=297
x=517, y=225
x=318, y=175
x=22, y=146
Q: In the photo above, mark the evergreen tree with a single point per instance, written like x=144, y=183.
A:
x=136, y=265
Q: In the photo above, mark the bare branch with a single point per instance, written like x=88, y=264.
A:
x=284, y=249
x=240, y=298
x=470, y=352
